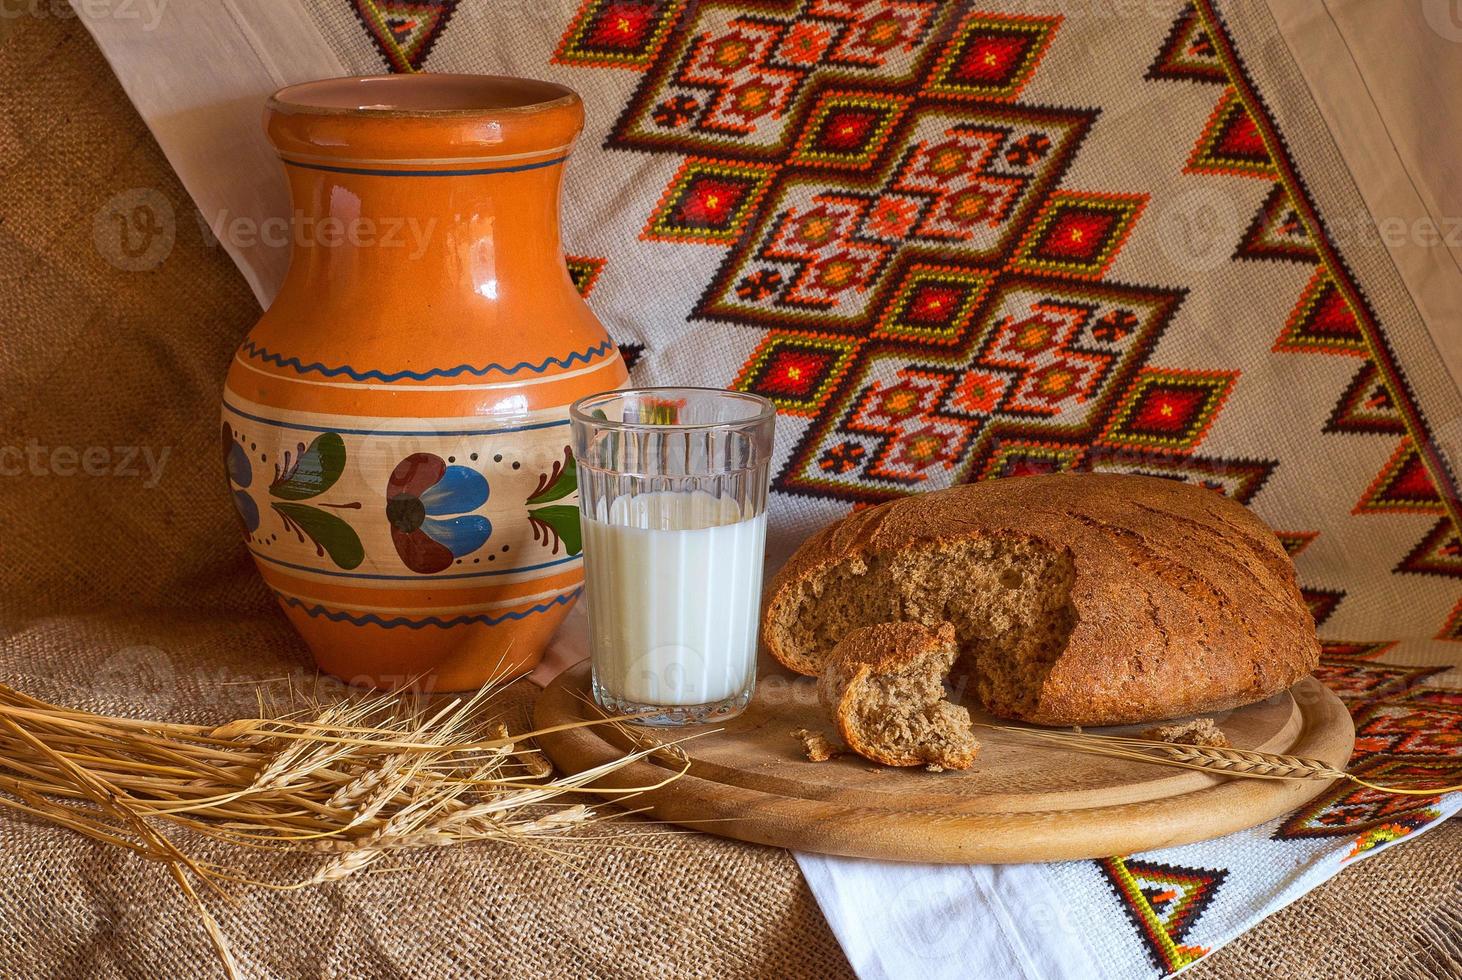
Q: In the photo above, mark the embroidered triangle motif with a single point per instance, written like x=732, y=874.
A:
x=1232, y=143
x=1322, y=322
x=405, y=30
x=1321, y=602
x=1277, y=233
x=1188, y=53
x=1439, y=553
x=1402, y=487
x=1366, y=406
x=1164, y=902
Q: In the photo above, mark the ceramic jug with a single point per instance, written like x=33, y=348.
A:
x=395, y=428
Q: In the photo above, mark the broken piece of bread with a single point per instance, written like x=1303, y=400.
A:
x=884, y=685
x=817, y=746
x=1199, y=731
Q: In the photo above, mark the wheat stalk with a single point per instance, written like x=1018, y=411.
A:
x=1221, y=761
x=346, y=782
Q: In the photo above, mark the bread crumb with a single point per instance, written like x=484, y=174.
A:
x=819, y=747
x=1199, y=731
x=933, y=767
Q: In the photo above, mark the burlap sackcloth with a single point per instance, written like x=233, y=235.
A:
x=125, y=596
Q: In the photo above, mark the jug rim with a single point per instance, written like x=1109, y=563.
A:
x=428, y=94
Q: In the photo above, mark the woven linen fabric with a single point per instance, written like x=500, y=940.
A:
x=951, y=243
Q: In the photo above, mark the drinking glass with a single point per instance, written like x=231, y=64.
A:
x=673, y=496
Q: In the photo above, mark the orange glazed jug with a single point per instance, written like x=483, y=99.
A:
x=395, y=428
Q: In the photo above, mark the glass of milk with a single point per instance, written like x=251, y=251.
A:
x=673, y=496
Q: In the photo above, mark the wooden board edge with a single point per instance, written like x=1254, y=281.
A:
x=839, y=829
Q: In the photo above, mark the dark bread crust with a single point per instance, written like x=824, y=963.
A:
x=1184, y=602
x=889, y=647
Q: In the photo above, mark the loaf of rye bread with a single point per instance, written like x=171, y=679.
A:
x=1078, y=599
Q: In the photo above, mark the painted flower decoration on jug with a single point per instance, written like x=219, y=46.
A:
x=306, y=474
x=428, y=504
x=556, y=525
x=240, y=477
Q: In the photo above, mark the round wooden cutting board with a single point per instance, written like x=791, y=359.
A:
x=1021, y=801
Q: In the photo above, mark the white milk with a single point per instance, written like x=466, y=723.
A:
x=673, y=603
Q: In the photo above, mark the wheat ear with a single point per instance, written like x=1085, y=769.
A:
x=1246, y=763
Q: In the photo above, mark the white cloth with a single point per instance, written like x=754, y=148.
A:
x=1058, y=921
x=948, y=923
